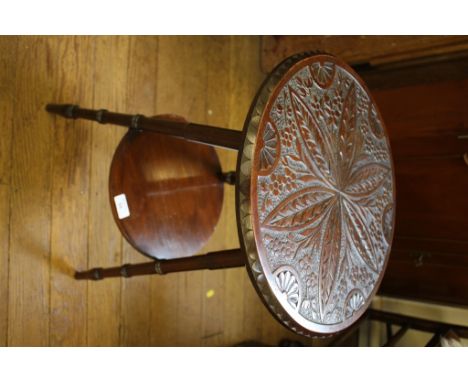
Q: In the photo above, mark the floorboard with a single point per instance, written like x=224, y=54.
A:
x=30, y=199
x=8, y=46
x=70, y=192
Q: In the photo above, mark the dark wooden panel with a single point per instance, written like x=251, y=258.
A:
x=431, y=198
x=430, y=250
x=426, y=120
x=445, y=283
x=428, y=126
x=439, y=68
x=375, y=50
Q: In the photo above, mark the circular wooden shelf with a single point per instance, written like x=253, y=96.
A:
x=315, y=194
x=173, y=192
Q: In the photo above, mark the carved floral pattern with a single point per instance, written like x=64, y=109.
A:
x=321, y=202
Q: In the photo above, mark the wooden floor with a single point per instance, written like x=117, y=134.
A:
x=54, y=208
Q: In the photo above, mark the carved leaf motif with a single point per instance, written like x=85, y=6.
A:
x=317, y=144
x=309, y=238
x=323, y=73
x=295, y=163
x=330, y=254
x=359, y=236
x=349, y=136
x=302, y=209
x=374, y=123
x=367, y=179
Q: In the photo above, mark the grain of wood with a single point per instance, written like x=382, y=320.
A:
x=173, y=96
x=70, y=192
x=217, y=114
x=245, y=76
x=29, y=277
x=242, y=306
x=182, y=75
x=8, y=47
x=105, y=241
x=141, y=99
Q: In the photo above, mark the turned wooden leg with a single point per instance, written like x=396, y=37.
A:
x=210, y=135
x=215, y=260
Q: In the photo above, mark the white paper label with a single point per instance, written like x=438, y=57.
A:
x=121, y=206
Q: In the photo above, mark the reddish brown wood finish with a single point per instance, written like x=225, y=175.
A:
x=334, y=131
x=375, y=50
x=412, y=72
x=210, y=135
x=428, y=126
x=215, y=260
x=174, y=190
x=316, y=194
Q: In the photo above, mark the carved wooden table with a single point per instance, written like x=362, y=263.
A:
x=315, y=193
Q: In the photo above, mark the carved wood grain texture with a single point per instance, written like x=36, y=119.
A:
x=321, y=147
x=8, y=85
x=375, y=50
x=55, y=191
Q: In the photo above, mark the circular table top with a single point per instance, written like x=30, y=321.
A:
x=315, y=194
